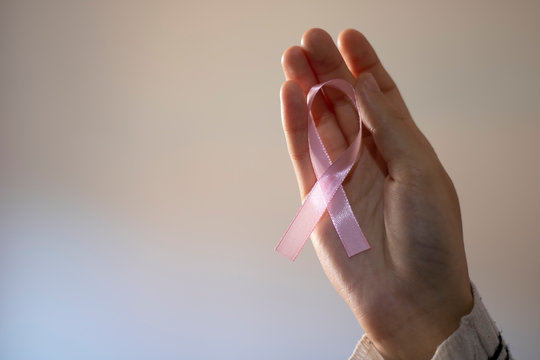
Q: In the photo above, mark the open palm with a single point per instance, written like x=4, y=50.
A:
x=414, y=279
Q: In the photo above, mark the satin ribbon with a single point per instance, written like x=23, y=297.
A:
x=327, y=193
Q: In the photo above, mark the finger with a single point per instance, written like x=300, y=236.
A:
x=327, y=63
x=295, y=121
x=361, y=57
x=399, y=142
x=296, y=67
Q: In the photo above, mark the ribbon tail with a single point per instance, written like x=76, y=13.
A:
x=303, y=224
x=353, y=239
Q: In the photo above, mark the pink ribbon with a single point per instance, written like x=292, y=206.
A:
x=327, y=193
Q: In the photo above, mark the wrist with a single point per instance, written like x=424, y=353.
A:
x=424, y=329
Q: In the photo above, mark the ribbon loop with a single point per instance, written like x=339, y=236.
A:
x=327, y=193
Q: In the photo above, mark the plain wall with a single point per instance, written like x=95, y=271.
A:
x=144, y=178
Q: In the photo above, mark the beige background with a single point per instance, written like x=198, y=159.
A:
x=145, y=180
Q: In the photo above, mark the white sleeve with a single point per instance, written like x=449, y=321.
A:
x=477, y=337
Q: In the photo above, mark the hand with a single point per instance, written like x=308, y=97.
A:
x=411, y=288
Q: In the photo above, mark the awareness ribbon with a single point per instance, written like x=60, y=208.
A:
x=327, y=193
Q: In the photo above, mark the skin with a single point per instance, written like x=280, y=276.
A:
x=411, y=288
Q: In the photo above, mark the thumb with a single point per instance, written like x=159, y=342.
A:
x=397, y=138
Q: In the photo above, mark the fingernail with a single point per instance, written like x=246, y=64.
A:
x=371, y=84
